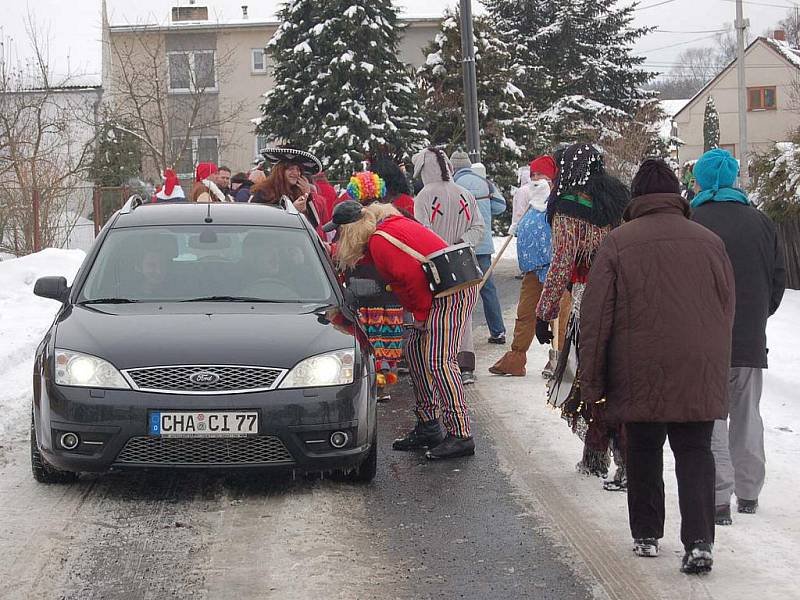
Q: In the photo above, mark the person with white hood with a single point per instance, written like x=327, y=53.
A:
x=451, y=212
x=529, y=223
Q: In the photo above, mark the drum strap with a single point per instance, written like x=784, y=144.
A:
x=402, y=246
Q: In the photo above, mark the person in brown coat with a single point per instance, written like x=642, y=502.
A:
x=655, y=348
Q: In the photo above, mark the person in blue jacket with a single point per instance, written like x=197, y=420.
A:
x=491, y=204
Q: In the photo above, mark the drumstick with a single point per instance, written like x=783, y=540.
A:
x=494, y=262
x=499, y=255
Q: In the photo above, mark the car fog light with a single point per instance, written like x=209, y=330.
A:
x=70, y=441
x=339, y=439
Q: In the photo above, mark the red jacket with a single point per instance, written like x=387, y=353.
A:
x=403, y=272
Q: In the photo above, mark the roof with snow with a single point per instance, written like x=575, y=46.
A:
x=789, y=54
x=670, y=108
x=124, y=14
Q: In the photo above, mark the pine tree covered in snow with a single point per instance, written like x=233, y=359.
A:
x=574, y=62
x=340, y=89
x=776, y=179
x=710, y=126
x=505, y=129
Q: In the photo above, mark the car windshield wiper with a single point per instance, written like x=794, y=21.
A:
x=231, y=299
x=109, y=301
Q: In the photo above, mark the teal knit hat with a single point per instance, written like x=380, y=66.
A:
x=716, y=169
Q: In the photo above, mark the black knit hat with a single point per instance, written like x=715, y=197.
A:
x=654, y=177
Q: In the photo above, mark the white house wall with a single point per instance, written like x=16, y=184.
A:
x=764, y=67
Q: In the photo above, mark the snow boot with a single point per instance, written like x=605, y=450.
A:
x=424, y=435
x=512, y=363
x=550, y=367
x=467, y=377
x=646, y=547
x=698, y=558
x=722, y=515
x=452, y=447
x=619, y=483
x=746, y=507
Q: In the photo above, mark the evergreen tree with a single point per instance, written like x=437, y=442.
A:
x=505, y=130
x=574, y=62
x=340, y=89
x=710, y=126
x=118, y=157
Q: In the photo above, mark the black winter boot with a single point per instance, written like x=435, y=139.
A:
x=424, y=435
x=698, y=558
x=452, y=447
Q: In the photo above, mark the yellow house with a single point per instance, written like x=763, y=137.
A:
x=197, y=81
x=772, y=77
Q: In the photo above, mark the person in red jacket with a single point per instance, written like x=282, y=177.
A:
x=438, y=327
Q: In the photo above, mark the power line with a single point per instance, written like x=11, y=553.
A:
x=654, y=5
x=696, y=31
x=793, y=5
x=700, y=39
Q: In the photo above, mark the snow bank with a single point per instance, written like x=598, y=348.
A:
x=23, y=320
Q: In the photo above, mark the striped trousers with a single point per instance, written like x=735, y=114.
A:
x=433, y=364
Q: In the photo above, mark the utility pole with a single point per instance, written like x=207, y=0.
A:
x=470, y=83
x=741, y=27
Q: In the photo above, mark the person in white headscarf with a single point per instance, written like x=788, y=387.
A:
x=533, y=254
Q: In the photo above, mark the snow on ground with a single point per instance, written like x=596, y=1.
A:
x=510, y=252
x=756, y=555
x=23, y=320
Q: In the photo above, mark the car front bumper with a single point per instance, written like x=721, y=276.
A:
x=294, y=428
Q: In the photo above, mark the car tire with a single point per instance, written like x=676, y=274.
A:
x=44, y=472
x=367, y=470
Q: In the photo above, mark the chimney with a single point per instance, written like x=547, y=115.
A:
x=189, y=13
x=244, y=11
x=779, y=34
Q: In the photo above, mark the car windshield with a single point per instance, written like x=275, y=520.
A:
x=206, y=263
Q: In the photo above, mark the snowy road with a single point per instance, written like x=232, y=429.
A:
x=422, y=530
x=515, y=521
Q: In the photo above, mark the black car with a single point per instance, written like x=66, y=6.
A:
x=203, y=336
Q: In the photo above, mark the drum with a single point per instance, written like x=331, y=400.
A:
x=452, y=269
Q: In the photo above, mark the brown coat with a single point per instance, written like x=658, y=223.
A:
x=656, y=318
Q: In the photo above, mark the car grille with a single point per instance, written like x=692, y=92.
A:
x=202, y=379
x=204, y=451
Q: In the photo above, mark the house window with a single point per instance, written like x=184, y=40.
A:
x=761, y=98
x=197, y=150
x=258, y=60
x=192, y=71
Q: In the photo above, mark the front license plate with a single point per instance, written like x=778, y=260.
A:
x=203, y=424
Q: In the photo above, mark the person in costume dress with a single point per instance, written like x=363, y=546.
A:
x=584, y=207
x=382, y=316
x=443, y=422
x=289, y=178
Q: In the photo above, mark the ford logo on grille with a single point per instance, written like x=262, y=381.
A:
x=204, y=378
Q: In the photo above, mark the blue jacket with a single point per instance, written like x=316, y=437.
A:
x=490, y=202
x=533, y=243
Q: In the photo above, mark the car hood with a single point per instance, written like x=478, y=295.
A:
x=151, y=334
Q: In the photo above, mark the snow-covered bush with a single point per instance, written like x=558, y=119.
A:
x=776, y=179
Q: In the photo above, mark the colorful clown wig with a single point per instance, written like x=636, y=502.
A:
x=366, y=187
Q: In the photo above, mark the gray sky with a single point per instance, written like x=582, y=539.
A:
x=74, y=27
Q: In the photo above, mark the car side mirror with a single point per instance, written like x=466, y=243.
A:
x=54, y=288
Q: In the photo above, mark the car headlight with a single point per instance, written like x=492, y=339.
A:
x=84, y=370
x=331, y=368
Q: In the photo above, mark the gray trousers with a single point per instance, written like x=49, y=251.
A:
x=738, y=446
